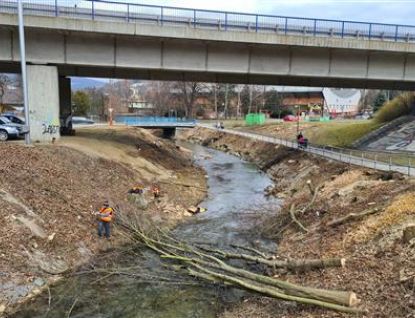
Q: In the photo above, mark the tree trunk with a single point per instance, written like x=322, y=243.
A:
x=338, y=297
x=207, y=266
x=274, y=292
x=350, y=216
x=302, y=264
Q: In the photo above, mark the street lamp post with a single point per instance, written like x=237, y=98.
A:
x=110, y=110
x=23, y=66
x=298, y=118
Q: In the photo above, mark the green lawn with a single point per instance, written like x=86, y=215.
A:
x=336, y=133
x=343, y=134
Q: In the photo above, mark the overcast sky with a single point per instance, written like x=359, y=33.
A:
x=392, y=11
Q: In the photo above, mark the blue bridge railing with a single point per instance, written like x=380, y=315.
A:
x=104, y=10
x=155, y=121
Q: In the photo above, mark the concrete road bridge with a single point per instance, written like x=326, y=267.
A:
x=123, y=40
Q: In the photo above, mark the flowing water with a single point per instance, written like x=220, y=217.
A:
x=236, y=189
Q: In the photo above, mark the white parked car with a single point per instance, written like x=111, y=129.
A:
x=9, y=129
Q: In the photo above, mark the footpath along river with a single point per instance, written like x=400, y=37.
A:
x=236, y=187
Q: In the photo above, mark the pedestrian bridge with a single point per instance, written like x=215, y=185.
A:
x=157, y=122
x=99, y=38
x=168, y=124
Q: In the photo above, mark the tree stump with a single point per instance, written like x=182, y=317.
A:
x=408, y=233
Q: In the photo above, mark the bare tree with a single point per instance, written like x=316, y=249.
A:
x=98, y=102
x=251, y=96
x=368, y=99
x=160, y=94
x=10, y=84
x=188, y=94
x=4, y=85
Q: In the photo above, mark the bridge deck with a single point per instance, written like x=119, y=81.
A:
x=157, y=122
x=222, y=21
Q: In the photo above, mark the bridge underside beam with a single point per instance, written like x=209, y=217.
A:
x=240, y=78
x=258, y=79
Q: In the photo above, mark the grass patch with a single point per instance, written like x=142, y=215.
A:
x=336, y=133
x=343, y=135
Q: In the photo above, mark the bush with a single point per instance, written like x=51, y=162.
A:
x=398, y=107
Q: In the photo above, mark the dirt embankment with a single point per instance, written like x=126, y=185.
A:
x=379, y=265
x=46, y=194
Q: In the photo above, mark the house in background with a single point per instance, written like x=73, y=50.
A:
x=142, y=108
x=338, y=102
x=343, y=102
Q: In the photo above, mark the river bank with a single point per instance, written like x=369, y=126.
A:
x=47, y=194
x=379, y=260
x=133, y=281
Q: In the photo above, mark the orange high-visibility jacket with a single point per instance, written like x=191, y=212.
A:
x=106, y=213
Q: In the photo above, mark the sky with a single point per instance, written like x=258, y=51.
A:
x=381, y=11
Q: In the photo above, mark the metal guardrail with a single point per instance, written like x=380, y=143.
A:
x=104, y=10
x=399, y=162
x=156, y=121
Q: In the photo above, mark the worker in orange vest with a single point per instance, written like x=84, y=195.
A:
x=136, y=190
x=156, y=192
x=105, y=215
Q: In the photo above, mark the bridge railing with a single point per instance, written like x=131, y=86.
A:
x=155, y=121
x=105, y=10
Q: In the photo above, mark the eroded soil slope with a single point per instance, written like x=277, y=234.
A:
x=46, y=194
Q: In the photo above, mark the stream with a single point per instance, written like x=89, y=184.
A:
x=236, y=190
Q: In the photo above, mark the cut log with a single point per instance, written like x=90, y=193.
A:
x=272, y=291
x=351, y=217
x=333, y=296
x=209, y=267
x=299, y=264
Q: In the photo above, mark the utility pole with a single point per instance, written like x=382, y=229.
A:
x=216, y=102
x=23, y=66
x=250, y=99
x=238, y=109
x=158, y=98
x=226, y=101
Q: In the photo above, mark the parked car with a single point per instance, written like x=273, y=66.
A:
x=82, y=121
x=9, y=129
x=290, y=118
x=14, y=118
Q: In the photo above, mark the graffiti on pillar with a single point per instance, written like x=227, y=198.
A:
x=50, y=127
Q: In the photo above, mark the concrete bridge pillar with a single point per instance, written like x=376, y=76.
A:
x=65, y=103
x=43, y=95
x=169, y=132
